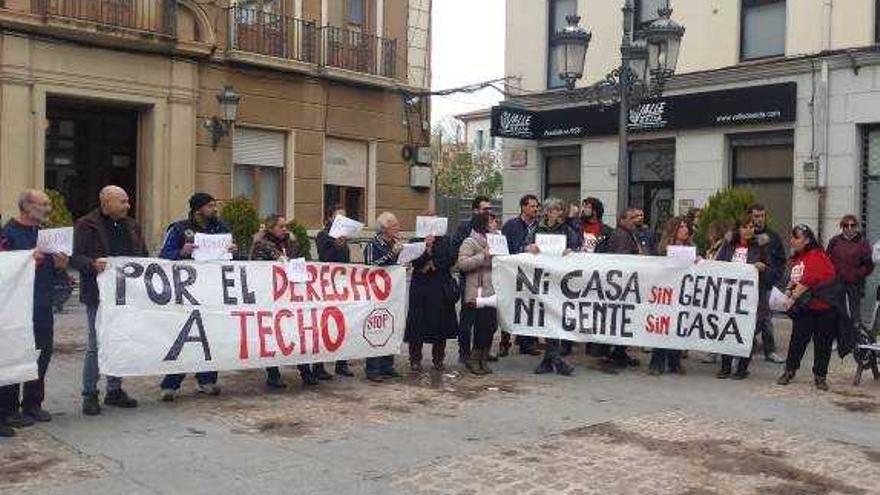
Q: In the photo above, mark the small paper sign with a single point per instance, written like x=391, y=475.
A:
x=497, y=245
x=345, y=227
x=435, y=226
x=411, y=252
x=778, y=301
x=551, y=244
x=296, y=271
x=687, y=254
x=51, y=241
x=211, y=247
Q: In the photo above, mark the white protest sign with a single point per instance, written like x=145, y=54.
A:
x=685, y=254
x=160, y=316
x=211, y=247
x=345, y=227
x=629, y=300
x=60, y=240
x=18, y=361
x=551, y=244
x=296, y=271
x=435, y=226
x=778, y=301
x=411, y=252
x=497, y=245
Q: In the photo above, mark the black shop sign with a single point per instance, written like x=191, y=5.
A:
x=753, y=105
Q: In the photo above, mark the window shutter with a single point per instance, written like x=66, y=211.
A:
x=258, y=147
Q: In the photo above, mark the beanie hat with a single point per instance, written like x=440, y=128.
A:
x=198, y=200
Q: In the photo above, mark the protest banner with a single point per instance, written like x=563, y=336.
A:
x=18, y=361
x=627, y=300
x=160, y=316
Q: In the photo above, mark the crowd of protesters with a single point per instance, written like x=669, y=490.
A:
x=824, y=286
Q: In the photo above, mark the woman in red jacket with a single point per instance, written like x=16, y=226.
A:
x=810, y=268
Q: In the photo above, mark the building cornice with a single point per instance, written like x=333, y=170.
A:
x=756, y=71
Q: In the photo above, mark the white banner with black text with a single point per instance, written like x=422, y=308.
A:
x=18, y=361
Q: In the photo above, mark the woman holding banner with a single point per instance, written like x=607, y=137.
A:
x=433, y=294
x=475, y=261
x=744, y=247
x=677, y=232
x=555, y=223
x=813, y=314
x=275, y=244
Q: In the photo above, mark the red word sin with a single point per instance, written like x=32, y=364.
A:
x=308, y=330
x=660, y=295
x=658, y=324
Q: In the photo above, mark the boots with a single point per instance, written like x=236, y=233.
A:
x=472, y=362
x=821, y=383
x=504, y=345
x=786, y=378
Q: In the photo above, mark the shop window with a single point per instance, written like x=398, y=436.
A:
x=652, y=181
x=559, y=10
x=562, y=174
x=764, y=163
x=763, y=29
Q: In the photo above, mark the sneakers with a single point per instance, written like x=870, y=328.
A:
x=168, y=395
x=342, y=369
x=19, y=420
x=119, y=398
x=90, y=405
x=774, y=358
x=786, y=378
x=38, y=414
x=208, y=389
x=821, y=383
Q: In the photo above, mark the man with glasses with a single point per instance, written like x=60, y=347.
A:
x=851, y=255
x=776, y=260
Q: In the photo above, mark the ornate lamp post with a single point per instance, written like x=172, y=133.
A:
x=646, y=62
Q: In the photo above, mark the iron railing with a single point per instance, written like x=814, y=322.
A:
x=273, y=34
x=150, y=16
x=359, y=52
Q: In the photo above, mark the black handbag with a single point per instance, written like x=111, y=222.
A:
x=451, y=290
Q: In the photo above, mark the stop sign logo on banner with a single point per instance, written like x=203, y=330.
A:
x=379, y=327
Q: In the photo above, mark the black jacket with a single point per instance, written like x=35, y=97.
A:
x=518, y=234
x=776, y=256
x=623, y=241
x=573, y=238
x=19, y=237
x=329, y=251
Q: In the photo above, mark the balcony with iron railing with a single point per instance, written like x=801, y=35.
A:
x=145, y=17
x=297, y=40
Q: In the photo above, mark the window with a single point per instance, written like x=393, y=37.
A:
x=763, y=29
x=258, y=170
x=646, y=11
x=350, y=198
x=559, y=10
x=356, y=12
x=652, y=181
x=562, y=174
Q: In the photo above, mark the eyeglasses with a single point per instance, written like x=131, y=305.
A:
x=850, y=225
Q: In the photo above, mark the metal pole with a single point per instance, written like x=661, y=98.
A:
x=623, y=118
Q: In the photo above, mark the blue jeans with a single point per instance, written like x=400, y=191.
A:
x=90, y=365
x=172, y=382
x=379, y=366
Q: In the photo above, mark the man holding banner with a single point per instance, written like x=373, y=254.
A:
x=106, y=231
x=179, y=244
x=21, y=405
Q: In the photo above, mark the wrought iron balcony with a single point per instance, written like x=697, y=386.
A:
x=274, y=35
x=359, y=52
x=156, y=17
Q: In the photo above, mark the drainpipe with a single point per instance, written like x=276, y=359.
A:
x=824, y=121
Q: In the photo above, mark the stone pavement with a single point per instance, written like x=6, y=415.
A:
x=452, y=433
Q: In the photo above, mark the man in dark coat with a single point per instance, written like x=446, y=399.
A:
x=625, y=241
x=107, y=231
x=777, y=263
x=851, y=255
x=179, y=244
x=595, y=231
x=21, y=405
x=383, y=251
x=332, y=250
x=519, y=231
x=480, y=204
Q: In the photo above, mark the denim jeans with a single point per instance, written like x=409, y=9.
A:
x=90, y=365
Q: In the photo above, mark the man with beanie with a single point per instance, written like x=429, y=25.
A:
x=179, y=244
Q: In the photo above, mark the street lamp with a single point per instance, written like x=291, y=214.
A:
x=647, y=61
x=220, y=126
x=570, y=50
